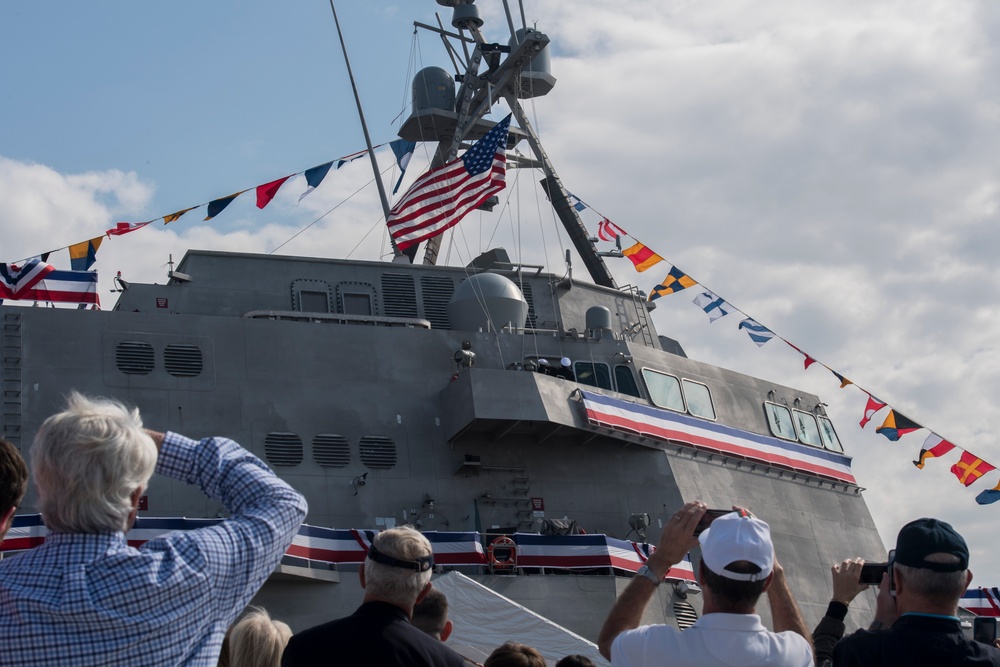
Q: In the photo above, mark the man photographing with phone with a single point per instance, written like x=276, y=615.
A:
x=929, y=570
x=737, y=566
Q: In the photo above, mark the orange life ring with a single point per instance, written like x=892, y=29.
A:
x=502, y=553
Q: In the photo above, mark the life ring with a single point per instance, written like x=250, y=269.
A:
x=502, y=553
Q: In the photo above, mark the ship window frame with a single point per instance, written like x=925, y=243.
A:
x=352, y=291
x=314, y=288
x=685, y=382
x=349, y=300
x=594, y=366
x=835, y=445
x=771, y=422
x=802, y=431
x=654, y=395
x=631, y=378
x=309, y=298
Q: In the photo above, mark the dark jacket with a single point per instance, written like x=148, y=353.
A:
x=914, y=639
x=378, y=634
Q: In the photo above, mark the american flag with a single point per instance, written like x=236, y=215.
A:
x=439, y=199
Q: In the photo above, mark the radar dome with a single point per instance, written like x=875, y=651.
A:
x=433, y=88
x=487, y=302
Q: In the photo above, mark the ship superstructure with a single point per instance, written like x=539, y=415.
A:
x=495, y=400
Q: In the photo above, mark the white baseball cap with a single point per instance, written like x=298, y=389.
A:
x=733, y=538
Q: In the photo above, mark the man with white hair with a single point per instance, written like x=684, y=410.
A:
x=85, y=597
x=916, y=618
x=396, y=576
x=737, y=567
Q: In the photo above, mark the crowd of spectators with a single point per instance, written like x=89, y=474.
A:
x=86, y=597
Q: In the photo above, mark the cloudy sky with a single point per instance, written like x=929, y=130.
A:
x=828, y=168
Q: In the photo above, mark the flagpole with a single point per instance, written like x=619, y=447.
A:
x=364, y=127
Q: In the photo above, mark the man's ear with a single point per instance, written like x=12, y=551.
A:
x=768, y=581
x=968, y=580
x=5, y=519
x=423, y=593
x=448, y=627
x=361, y=575
x=897, y=581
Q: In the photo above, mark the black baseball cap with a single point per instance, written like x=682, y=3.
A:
x=918, y=539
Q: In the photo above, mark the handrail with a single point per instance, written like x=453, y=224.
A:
x=337, y=318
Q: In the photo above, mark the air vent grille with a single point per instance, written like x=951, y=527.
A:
x=331, y=450
x=685, y=614
x=283, y=449
x=399, y=295
x=526, y=291
x=134, y=357
x=377, y=452
x=437, y=293
x=183, y=360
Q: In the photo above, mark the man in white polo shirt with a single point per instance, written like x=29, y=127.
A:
x=737, y=566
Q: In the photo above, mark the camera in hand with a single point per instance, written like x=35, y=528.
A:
x=871, y=573
x=707, y=519
x=984, y=629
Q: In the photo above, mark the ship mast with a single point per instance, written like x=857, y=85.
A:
x=477, y=94
x=364, y=127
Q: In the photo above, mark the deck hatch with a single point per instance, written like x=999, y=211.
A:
x=134, y=357
x=283, y=449
x=377, y=452
x=331, y=450
x=183, y=360
x=437, y=292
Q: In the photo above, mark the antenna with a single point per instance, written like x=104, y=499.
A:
x=364, y=128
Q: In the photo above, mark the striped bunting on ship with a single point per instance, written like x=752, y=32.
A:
x=666, y=425
x=339, y=546
x=588, y=551
x=981, y=601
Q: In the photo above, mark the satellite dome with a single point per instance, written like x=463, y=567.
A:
x=487, y=302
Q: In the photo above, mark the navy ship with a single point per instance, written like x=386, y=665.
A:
x=535, y=424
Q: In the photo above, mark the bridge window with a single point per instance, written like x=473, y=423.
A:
x=664, y=390
x=699, y=399
x=828, y=435
x=596, y=375
x=780, y=420
x=626, y=381
x=808, y=432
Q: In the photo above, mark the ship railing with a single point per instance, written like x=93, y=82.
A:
x=338, y=318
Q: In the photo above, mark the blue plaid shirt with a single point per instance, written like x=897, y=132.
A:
x=90, y=599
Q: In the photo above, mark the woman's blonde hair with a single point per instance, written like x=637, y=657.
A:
x=256, y=640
